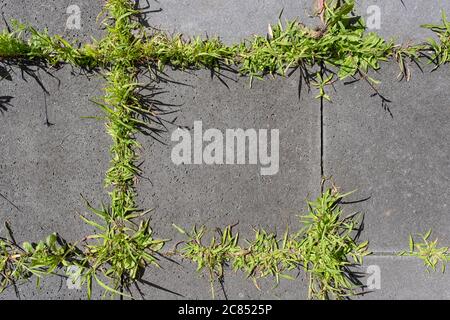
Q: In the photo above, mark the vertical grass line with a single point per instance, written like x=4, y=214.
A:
x=322, y=144
x=123, y=248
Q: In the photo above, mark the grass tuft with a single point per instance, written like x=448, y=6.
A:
x=326, y=248
x=428, y=251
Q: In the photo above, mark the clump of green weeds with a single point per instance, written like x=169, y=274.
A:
x=27, y=43
x=119, y=251
x=179, y=52
x=12, y=45
x=339, y=43
x=441, y=49
x=428, y=251
x=326, y=248
x=20, y=263
x=268, y=255
x=329, y=247
x=212, y=257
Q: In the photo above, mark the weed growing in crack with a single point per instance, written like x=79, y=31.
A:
x=119, y=251
x=12, y=44
x=212, y=257
x=428, y=251
x=339, y=44
x=122, y=249
x=330, y=247
x=26, y=43
x=20, y=263
x=440, y=50
x=326, y=248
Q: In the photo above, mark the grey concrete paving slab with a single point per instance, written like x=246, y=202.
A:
x=232, y=20
x=51, y=288
x=402, y=278
x=221, y=195
x=235, y=20
x=399, y=158
x=58, y=16
x=44, y=169
x=184, y=282
x=401, y=19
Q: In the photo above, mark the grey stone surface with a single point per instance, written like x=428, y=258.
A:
x=184, y=282
x=44, y=169
x=52, y=14
x=402, y=19
x=235, y=20
x=400, y=159
x=403, y=278
x=220, y=195
x=232, y=20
